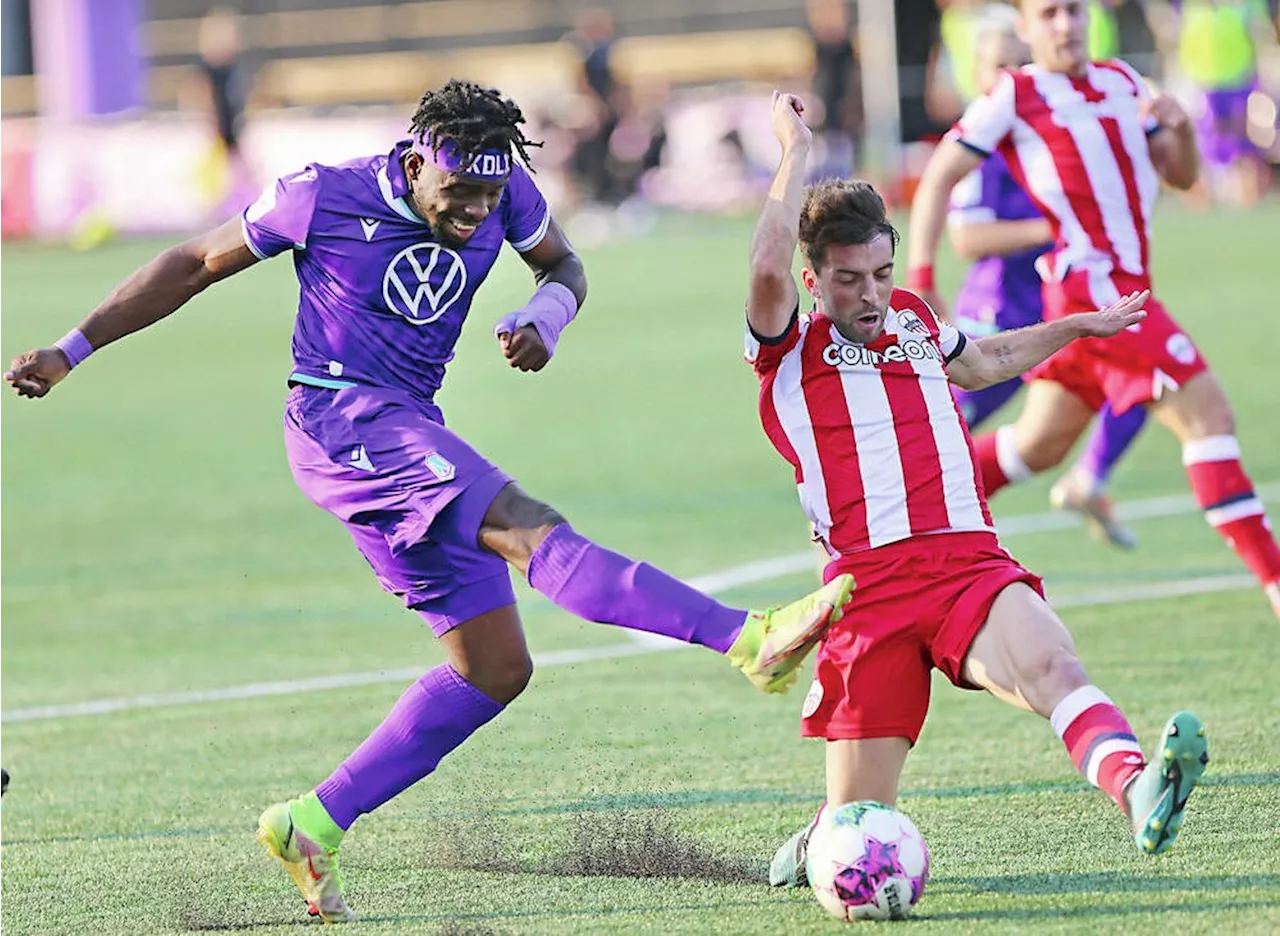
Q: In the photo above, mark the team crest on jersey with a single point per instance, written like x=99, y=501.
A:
x=911, y=322
x=422, y=282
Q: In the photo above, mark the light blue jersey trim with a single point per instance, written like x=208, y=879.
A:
x=320, y=381
x=248, y=241
x=397, y=204
x=534, y=239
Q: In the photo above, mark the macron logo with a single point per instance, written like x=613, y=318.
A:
x=360, y=459
x=369, y=226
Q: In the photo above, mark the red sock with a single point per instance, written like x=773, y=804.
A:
x=999, y=460
x=1099, y=740
x=993, y=479
x=1225, y=493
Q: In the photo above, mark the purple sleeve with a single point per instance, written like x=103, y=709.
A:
x=524, y=211
x=281, y=217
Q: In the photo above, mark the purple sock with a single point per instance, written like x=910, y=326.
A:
x=1111, y=437
x=603, y=586
x=978, y=405
x=431, y=718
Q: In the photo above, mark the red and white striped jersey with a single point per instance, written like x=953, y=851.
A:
x=880, y=450
x=1078, y=145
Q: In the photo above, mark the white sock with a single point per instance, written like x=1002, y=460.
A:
x=1011, y=463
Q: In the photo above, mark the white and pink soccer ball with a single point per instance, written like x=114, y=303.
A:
x=867, y=861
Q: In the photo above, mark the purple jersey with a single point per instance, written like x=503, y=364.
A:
x=382, y=302
x=1000, y=292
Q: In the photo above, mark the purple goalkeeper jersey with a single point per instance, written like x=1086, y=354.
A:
x=381, y=301
x=1000, y=292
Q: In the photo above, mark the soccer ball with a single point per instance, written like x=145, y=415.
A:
x=867, y=861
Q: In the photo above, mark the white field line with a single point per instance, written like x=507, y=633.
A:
x=642, y=643
x=291, y=686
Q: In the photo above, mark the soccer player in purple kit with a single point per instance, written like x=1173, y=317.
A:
x=389, y=251
x=993, y=222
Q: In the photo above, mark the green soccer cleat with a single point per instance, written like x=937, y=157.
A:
x=774, y=643
x=313, y=867
x=1159, y=794
x=788, y=868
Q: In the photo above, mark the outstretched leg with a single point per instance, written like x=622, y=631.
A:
x=1025, y=656
x=600, y=585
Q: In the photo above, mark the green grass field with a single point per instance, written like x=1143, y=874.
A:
x=153, y=543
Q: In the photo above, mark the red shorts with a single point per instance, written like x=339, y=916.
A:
x=918, y=604
x=1129, y=369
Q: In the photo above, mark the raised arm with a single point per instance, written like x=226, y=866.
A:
x=997, y=358
x=773, y=297
x=156, y=290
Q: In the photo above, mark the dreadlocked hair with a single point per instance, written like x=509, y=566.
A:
x=472, y=118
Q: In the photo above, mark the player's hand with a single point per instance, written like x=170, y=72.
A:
x=788, y=123
x=34, y=373
x=524, y=349
x=1115, y=318
x=1166, y=110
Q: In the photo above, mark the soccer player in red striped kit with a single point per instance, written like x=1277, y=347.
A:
x=855, y=396
x=1091, y=145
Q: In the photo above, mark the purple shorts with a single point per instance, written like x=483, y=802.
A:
x=1223, y=126
x=411, y=493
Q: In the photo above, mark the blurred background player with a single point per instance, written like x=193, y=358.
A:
x=1090, y=144
x=837, y=89
x=222, y=92
x=953, y=75
x=593, y=38
x=389, y=251
x=993, y=222
x=619, y=135
x=1217, y=46
x=854, y=397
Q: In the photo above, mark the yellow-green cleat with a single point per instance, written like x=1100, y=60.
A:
x=774, y=643
x=1159, y=794
x=312, y=866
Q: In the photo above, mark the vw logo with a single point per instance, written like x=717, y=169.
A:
x=427, y=272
